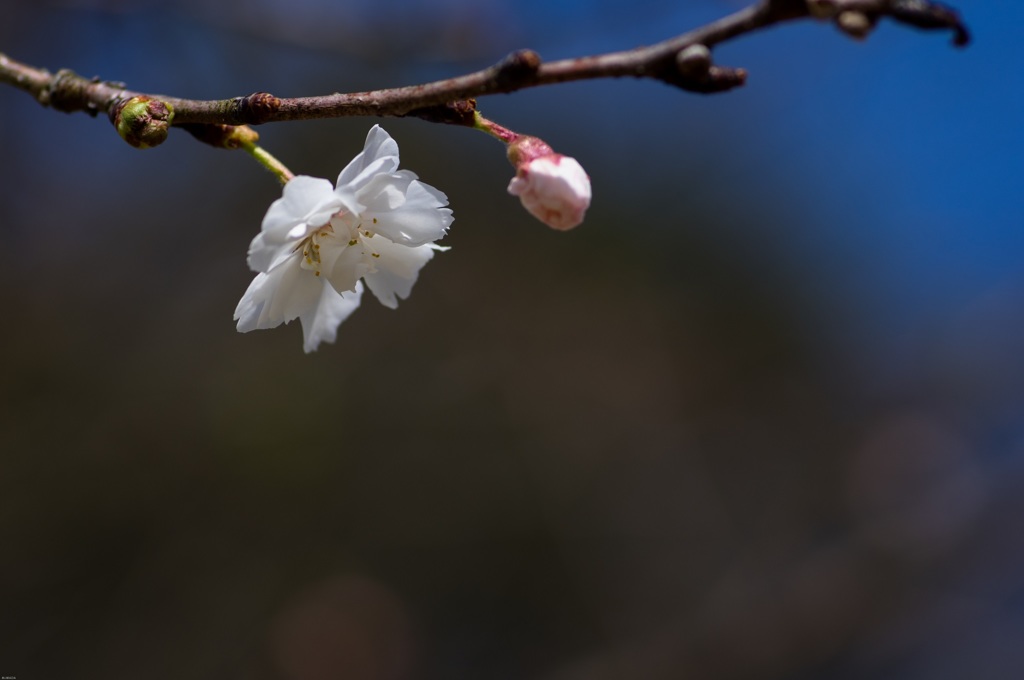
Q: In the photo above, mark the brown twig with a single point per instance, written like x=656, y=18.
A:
x=683, y=61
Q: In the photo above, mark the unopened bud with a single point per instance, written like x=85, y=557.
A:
x=694, y=61
x=553, y=188
x=142, y=121
x=854, y=24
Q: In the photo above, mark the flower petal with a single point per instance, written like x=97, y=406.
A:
x=277, y=296
x=251, y=306
x=320, y=323
x=344, y=264
x=405, y=210
x=379, y=155
x=304, y=201
x=306, y=204
x=287, y=292
x=397, y=269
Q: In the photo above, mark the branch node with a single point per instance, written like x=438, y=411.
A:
x=223, y=136
x=823, y=9
x=517, y=67
x=694, y=71
x=66, y=90
x=257, y=108
x=462, y=112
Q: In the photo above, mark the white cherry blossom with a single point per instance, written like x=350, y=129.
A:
x=320, y=243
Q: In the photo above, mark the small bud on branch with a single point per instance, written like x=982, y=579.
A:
x=857, y=17
x=142, y=121
x=855, y=24
x=552, y=187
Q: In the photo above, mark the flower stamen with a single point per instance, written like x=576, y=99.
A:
x=311, y=249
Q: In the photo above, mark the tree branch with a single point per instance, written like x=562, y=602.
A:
x=683, y=61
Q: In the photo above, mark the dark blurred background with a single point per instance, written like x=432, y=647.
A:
x=760, y=417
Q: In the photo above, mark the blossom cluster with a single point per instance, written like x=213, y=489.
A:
x=321, y=244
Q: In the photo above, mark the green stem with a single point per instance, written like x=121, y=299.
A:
x=499, y=132
x=264, y=158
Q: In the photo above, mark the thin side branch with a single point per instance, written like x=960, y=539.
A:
x=683, y=61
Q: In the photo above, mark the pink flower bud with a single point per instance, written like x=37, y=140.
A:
x=553, y=188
